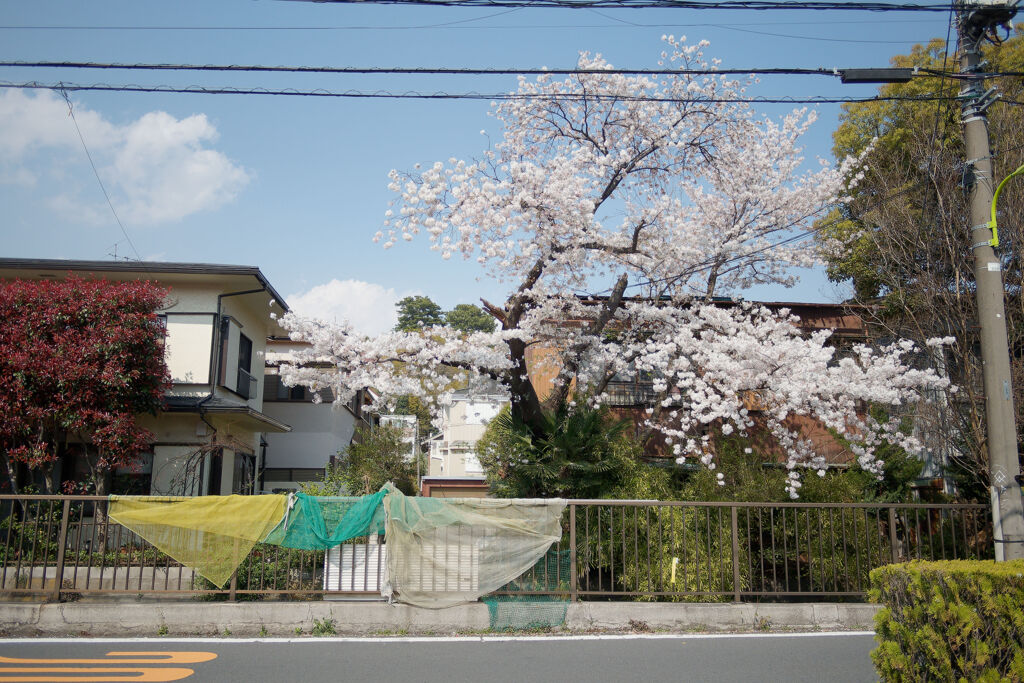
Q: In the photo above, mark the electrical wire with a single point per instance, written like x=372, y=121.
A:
x=663, y=4
x=735, y=27
x=495, y=97
x=781, y=71
x=450, y=24
x=71, y=113
x=822, y=39
x=472, y=71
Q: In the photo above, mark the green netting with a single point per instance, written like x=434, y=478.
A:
x=320, y=522
x=517, y=609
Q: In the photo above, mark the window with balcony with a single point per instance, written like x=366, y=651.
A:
x=246, y=383
x=236, y=360
x=635, y=390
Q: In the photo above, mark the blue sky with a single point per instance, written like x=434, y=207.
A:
x=298, y=186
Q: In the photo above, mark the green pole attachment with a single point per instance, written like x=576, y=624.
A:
x=994, y=242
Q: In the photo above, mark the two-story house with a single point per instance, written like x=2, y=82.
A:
x=210, y=438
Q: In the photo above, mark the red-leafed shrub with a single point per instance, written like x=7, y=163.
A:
x=79, y=360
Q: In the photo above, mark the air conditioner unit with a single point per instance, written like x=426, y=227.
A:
x=356, y=567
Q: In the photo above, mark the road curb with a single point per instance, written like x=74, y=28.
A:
x=143, y=618
x=720, y=617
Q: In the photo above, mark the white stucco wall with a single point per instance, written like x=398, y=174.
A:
x=318, y=432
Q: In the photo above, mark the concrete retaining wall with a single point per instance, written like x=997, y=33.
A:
x=141, y=619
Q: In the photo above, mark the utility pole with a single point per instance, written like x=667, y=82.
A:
x=975, y=19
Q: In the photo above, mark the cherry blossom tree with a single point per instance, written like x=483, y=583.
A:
x=617, y=208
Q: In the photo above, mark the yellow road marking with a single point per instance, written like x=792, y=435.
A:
x=52, y=674
x=125, y=658
x=112, y=672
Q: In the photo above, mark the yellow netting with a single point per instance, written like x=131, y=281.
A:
x=211, y=534
x=448, y=551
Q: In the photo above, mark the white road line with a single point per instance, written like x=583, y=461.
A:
x=446, y=639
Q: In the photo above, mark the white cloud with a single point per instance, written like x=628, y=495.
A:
x=369, y=307
x=29, y=122
x=158, y=168
x=21, y=177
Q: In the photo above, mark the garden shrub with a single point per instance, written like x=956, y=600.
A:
x=950, y=621
x=273, y=568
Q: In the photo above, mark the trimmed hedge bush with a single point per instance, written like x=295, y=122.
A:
x=950, y=621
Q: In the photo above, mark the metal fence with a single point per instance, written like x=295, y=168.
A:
x=62, y=547
x=737, y=551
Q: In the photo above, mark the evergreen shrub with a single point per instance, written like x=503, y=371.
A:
x=950, y=621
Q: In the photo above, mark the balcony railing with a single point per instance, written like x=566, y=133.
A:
x=246, y=386
x=630, y=393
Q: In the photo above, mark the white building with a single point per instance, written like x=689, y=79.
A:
x=320, y=431
x=454, y=467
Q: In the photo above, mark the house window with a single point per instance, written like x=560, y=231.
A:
x=236, y=360
x=636, y=389
x=244, y=479
x=286, y=393
x=133, y=479
x=275, y=390
x=245, y=380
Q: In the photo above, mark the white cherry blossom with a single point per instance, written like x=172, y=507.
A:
x=658, y=197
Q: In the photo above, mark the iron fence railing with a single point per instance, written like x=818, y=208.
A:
x=59, y=547
x=737, y=551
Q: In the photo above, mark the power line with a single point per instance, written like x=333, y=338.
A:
x=505, y=96
x=664, y=4
x=420, y=27
x=823, y=39
x=470, y=71
x=71, y=113
x=473, y=71
x=736, y=27
x=821, y=71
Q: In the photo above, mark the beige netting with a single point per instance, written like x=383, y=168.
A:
x=444, y=552
x=211, y=534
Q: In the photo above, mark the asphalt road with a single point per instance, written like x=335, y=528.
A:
x=835, y=658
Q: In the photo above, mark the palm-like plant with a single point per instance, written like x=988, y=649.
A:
x=577, y=453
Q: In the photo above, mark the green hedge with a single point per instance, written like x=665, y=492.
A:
x=950, y=621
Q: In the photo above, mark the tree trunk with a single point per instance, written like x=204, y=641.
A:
x=12, y=477
x=101, y=482
x=48, y=484
x=525, y=403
